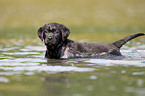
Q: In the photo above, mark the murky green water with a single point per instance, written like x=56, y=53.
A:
x=25, y=72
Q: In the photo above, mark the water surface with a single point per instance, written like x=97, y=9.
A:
x=24, y=70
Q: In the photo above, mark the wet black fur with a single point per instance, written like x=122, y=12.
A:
x=58, y=46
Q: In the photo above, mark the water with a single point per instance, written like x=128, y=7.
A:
x=25, y=71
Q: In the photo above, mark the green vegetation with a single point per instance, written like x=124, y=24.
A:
x=96, y=18
x=19, y=13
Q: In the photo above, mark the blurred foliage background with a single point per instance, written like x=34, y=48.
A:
x=98, y=20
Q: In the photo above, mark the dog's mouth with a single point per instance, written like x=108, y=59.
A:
x=49, y=44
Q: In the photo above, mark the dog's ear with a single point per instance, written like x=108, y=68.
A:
x=65, y=31
x=40, y=33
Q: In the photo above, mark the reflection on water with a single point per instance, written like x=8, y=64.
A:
x=27, y=60
x=139, y=63
x=23, y=69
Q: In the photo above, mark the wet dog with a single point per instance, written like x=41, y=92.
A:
x=58, y=46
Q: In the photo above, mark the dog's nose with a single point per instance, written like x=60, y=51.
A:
x=50, y=37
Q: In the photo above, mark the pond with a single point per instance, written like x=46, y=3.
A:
x=25, y=72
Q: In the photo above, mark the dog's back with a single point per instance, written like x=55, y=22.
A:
x=82, y=49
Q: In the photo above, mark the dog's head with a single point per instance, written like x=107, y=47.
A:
x=53, y=33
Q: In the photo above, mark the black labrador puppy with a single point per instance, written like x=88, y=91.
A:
x=58, y=46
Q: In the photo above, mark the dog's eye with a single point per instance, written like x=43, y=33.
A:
x=57, y=32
